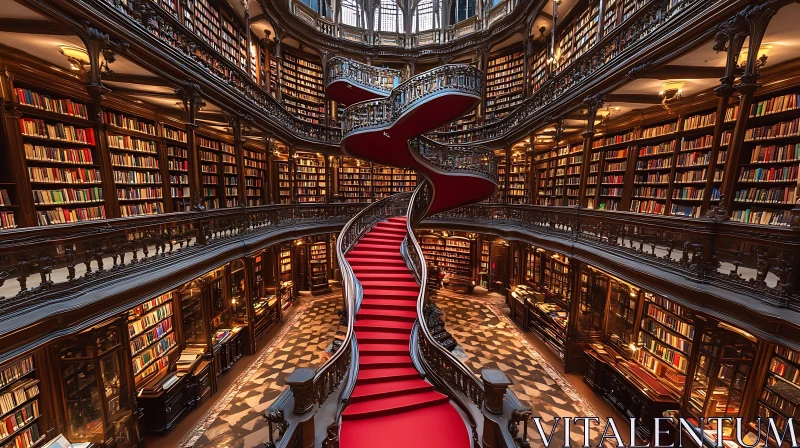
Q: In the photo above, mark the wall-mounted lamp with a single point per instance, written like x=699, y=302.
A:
x=671, y=92
x=761, y=59
x=77, y=57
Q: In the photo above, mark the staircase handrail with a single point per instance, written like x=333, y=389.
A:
x=341, y=369
x=439, y=365
x=382, y=112
x=380, y=80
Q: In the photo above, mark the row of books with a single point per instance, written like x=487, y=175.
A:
x=691, y=193
x=16, y=371
x=21, y=393
x=138, y=193
x=137, y=326
x=693, y=176
x=650, y=193
x=55, y=175
x=34, y=127
x=782, y=129
x=652, y=178
x=136, y=177
x=127, y=122
x=131, y=161
x=149, y=208
x=58, y=155
x=7, y=220
x=68, y=196
x=21, y=417
x=700, y=121
x=60, y=215
x=665, y=353
x=651, y=164
x=652, y=207
x=775, y=153
x=766, y=196
x=774, y=105
x=45, y=102
x=652, y=150
x=659, y=332
x=26, y=439
x=128, y=143
x=146, y=358
x=762, y=217
x=772, y=174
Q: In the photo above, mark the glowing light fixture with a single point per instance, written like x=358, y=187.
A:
x=77, y=57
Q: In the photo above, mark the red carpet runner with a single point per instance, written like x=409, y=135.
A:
x=392, y=406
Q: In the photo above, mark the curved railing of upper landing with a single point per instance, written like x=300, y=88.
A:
x=389, y=128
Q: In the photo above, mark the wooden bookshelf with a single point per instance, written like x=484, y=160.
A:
x=20, y=408
x=504, y=85
x=207, y=23
x=355, y=180
x=284, y=182
x=573, y=161
x=302, y=89
x=403, y=180
x=654, y=162
x=233, y=42
x=176, y=148
x=310, y=178
x=230, y=174
x=545, y=164
x=780, y=396
x=383, y=181
x=621, y=315
x=538, y=69
x=767, y=183
x=255, y=174
x=453, y=254
x=62, y=161
x=151, y=337
x=210, y=152
x=665, y=339
x=286, y=277
x=614, y=166
x=135, y=160
x=578, y=36
x=517, y=189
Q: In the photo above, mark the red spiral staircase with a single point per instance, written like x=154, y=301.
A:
x=391, y=404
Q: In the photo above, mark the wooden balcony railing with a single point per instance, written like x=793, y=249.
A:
x=379, y=79
x=757, y=262
x=43, y=266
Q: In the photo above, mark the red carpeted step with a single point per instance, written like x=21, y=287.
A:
x=393, y=315
x=396, y=304
x=392, y=224
x=373, y=376
x=377, y=239
x=392, y=405
x=388, y=254
x=388, y=276
x=363, y=268
x=371, y=348
x=390, y=284
x=376, y=261
x=393, y=236
x=383, y=293
x=389, y=389
x=391, y=248
x=389, y=229
x=384, y=361
x=382, y=337
x=439, y=426
x=383, y=325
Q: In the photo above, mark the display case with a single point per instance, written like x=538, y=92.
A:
x=95, y=386
x=780, y=394
x=724, y=360
x=621, y=316
x=285, y=288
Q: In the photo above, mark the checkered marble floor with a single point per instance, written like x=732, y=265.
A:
x=488, y=339
x=236, y=421
x=486, y=336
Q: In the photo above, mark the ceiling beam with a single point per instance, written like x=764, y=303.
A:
x=137, y=79
x=685, y=72
x=35, y=26
x=633, y=98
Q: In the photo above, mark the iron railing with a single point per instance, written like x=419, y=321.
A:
x=377, y=79
x=341, y=370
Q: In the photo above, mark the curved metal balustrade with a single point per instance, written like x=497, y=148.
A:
x=465, y=159
x=441, y=366
x=381, y=113
x=379, y=80
x=291, y=409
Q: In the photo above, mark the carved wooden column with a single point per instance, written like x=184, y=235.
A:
x=327, y=104
x=238, y=146
x=250, y=294
x=292, y=176
x=758, y=18
x=482, y=56
x=730, y=38
x=593, y=104
x=249, y=40
x=279, y=34
x=191, y=97
x=507, y=175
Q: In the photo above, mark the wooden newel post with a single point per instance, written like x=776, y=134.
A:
x=301, y=381
x=495, y=384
